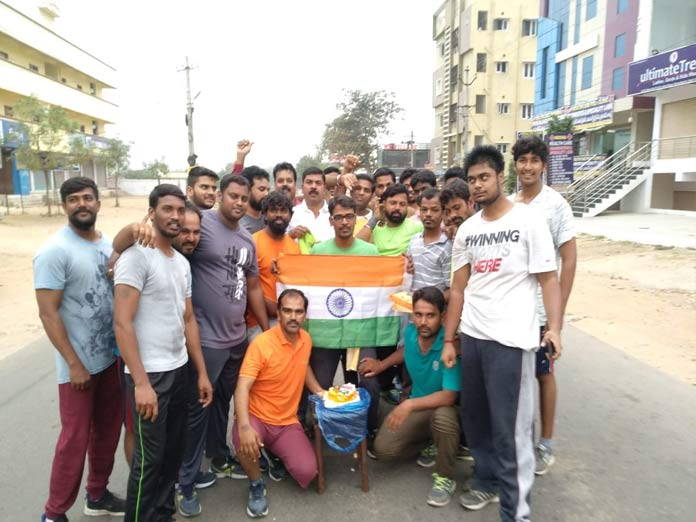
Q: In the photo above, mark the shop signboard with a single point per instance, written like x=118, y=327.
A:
x=664, y=70
x=596, y=113
x=560, y=164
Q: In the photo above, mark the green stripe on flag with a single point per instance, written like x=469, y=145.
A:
x=354, y=333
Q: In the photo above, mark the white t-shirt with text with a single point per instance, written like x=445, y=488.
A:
x=504, y=255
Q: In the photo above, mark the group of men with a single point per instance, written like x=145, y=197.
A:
x=163, y=327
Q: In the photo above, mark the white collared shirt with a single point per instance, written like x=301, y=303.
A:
x=319, y=225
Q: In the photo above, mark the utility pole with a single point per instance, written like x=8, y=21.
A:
x=189, y=113
x=411, y=145
x=465, y=112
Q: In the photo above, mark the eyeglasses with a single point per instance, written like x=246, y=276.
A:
x=343, y=217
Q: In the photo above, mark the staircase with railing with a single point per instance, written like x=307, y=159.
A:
x=611, y=180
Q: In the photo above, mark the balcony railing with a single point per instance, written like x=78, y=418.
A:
x=66, y=84
x=676, y=148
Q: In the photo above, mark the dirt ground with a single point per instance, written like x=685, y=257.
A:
x=638, y=298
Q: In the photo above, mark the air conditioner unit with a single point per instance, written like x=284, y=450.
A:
x=50, y=9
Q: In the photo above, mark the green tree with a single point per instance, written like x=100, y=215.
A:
x=81, y=150
x=116, y=158
x=157, y=168
x=510, y=179
x=364, y=118
x=559, y=125
x=308, y=160
x=40, y=144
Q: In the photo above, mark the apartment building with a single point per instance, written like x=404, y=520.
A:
x=483, y=85
x=35, y=60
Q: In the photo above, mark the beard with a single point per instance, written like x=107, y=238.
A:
x=82, y=224
x=255, y=203
x=163, y=230
x=396, y=217
x=278, y=228
x=492, y=199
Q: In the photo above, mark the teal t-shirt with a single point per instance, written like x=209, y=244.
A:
x=427, y=372
x=358, y=248
x=393, y=241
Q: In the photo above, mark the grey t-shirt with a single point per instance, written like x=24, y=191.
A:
x=220, y=266
x=76, y=266
x=164, y=284
x=252, y=224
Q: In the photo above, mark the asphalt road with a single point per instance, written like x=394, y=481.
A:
x=625, y=446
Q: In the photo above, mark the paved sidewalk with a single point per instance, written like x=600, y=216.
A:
x=668, y=230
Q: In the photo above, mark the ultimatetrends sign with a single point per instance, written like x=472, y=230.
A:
x=677, y=67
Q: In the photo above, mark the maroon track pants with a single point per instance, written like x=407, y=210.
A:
x=90, y=425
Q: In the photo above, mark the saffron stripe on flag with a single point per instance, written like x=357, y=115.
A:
x=330, y=270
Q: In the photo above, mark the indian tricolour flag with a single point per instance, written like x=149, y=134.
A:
x=348, y=296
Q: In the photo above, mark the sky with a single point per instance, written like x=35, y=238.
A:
x=271, y=71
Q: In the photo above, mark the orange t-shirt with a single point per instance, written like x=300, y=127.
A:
x=278, y=369
x=268, y=249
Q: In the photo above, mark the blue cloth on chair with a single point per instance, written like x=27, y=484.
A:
x=343, y=427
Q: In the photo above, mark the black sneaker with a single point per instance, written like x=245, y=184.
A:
x=109, y=504
x=204, y=479
x=276, y=468
x=228, y=468
x=371, y=445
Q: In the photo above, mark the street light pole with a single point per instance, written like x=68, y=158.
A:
x=189, y=114
x=411, y=145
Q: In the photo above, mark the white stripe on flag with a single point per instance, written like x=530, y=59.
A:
x=330, y=302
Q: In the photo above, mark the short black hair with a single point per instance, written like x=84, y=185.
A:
x=393, y=190
x=233, y=178
x=78, y=184
x=366, y=177
x=424, y=176
x=310, y=171
x=533, y=144
x=384, y=171
x=284, y=166
x=276, y=200
x=341, y=201
x=485, y=154
x=332, y=170
x=293, y=291
x=455, y=172
x=197, y=172
x=430, y=294
x=253, y=172
x=406, y=174
x=429, y=193
x=190, y=207
x=163, y=190
x=458, y=189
